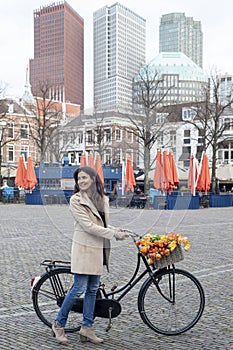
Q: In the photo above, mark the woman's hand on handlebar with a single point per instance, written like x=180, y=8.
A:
x=120, y=235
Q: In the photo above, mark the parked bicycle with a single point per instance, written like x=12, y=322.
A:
x=170, y=301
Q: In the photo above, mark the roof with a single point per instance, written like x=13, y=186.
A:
x=16, y=108
x=177, y=63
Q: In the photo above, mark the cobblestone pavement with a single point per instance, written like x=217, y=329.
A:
x=31, y=233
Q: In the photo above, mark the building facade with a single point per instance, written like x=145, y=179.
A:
x=21, y=120
x=109, y=133
x=58, y=53
x=177, y=79
x=178, y=33
x=225, y=82
x=119, y=51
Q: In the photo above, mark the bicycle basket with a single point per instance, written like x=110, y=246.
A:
x=175, y=256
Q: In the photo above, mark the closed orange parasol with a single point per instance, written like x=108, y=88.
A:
x=168, y=178
x=174, y=172
x=165, y=175
x=31, y=180
x=130, y=182
x=203, y=181
x=192, y=175
x=158, y=174
x=83, y=160
x=20, y=178
x=91, y=163
x=98, y=167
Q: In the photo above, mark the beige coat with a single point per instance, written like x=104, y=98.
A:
x=90, y=236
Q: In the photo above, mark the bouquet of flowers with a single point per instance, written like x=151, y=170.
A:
x=156, y=247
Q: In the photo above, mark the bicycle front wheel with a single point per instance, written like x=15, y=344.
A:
x=172, y=303
x=48, y=295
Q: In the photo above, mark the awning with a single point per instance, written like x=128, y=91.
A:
x=8, y=172
x=225, y=173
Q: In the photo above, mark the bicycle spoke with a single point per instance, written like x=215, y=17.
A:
x=49, y=294
x=172, y=306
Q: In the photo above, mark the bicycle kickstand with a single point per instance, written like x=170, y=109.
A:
x=109, y=326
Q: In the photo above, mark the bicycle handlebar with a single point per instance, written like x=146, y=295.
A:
x=133, y=234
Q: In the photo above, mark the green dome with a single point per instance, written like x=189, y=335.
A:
x=177, y=63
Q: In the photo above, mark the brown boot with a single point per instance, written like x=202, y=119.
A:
x=87, y=334
x=59, y=333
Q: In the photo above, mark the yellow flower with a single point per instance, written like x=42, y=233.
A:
x=187, y=247
x=172, y=246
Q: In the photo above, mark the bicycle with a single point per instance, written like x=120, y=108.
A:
x=170, y=300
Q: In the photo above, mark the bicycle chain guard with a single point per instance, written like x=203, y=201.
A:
x=102, y=307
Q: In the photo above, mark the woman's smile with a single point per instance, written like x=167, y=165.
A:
x=84, y=181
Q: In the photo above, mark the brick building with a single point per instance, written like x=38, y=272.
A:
x=58, y=53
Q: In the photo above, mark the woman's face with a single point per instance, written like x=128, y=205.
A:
x=84, y=181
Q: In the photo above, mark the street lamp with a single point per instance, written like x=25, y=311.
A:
x=3, y=123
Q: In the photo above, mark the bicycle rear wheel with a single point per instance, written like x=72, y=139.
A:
x=173, y=303
x=48, y=295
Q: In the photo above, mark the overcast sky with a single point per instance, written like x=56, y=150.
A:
x=16, y=34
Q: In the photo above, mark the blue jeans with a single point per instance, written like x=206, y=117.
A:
x=82, y=283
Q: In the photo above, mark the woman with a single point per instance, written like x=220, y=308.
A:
x=90, y=250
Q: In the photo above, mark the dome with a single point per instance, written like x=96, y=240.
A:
x=177, y=63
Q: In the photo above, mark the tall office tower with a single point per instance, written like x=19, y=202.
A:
x=119, y=51
x=178, y=33
x=58, y=53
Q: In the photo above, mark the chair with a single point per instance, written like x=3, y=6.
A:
x=162, y=202
x=149, y=203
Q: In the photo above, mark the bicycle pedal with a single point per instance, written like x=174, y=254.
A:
x=108, y=327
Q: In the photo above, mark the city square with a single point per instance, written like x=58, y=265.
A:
x=31, y=233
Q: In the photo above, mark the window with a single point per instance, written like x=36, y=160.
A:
x=107, y=156
x=118, y=134
x=10, y=153
x=130, y=136
x=72, y=157
x=89, y=136
x=200, y=136
x=118, y=156
x=199, y=152
x=72, y=138
x=24, y=131
x=24, y=152
x=107, y=135
x=228, y=122
x=172, y=137
x=80, y=137
x=186, y=137
x=160, y=139
x=10, y=130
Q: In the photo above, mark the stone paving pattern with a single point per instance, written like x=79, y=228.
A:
x=31, y=233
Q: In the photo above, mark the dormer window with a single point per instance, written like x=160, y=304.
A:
x=11, y=108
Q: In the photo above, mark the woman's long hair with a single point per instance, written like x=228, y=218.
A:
x=97, y=188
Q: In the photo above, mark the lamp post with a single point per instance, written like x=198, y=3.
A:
x=3, y=123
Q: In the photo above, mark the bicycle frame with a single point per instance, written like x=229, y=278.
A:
x=131, y=283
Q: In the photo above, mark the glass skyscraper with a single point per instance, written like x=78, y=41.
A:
x=58, y=53
x=178, y=33
x=119, y=51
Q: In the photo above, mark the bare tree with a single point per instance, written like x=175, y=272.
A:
x=209, y=120
x=148, y=121
x=47, y=118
